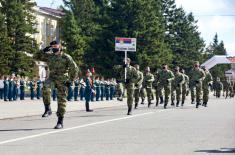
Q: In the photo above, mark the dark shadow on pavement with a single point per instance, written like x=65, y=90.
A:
x=7, y=130
x=222, y=150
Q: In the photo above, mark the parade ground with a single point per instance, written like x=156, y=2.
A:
x=109, y=131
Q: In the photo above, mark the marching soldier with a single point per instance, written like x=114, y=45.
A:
x=177, y=85
x=184, y=87
x=205, y=86
x=165, y=78
x=218, y=87
x=88, y=90
x=62, y=70
x=148, y=84
x=138, y=85
x=196, y=77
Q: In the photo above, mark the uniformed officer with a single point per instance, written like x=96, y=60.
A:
x=62, y=70
x=6, y=88
x=39, y=83
x=165, y=78
x=10, y=88
x=102, y=89
x=31, y=88
x=218, y=87
x=76, y=89
x=82, y=89
x=177, y=85
x=88, y=90
x=185, y=86
x=205, y=86
x=22, y=88
x=138, y=85
x=148, y=84
x=97, y=86
x=196, y=77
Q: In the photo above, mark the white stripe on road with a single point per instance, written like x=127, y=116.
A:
x=77, y=127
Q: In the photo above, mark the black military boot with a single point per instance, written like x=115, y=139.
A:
x=161, y=100
x=172, y=103
x=136, y=105
x=149, y=104
x=48, y=111
x=205, y=104
x=88, y=108
x=192, y=101
x=197, y=105
x=129, y=111
x=182, y=103
x=157, y=103
x=177, y=103
x=59, y=124
x=165, y=105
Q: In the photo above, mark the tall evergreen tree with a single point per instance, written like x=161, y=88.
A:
x=5, y=49
x=182, y=34
x=20, y=23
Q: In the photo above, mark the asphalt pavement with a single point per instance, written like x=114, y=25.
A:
x=109, y=131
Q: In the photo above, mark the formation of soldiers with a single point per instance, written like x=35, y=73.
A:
x=62, y=77
x=169, y=86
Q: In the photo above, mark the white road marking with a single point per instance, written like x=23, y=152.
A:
x=78, y=127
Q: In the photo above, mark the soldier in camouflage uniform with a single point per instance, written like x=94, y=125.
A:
x=138, y=85
x=177, y=86
x=218, y=87
x=131, y=79
x=205, y=86
x=165, y=77
x=155, y=85
x=196, y=77
x=184, y=87
x=148, y=84
x=226, y=84
x=62, y=69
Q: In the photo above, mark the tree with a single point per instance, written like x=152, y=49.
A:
x=5, y=49
x=217, y=48
x=20, y=23
x=182, y=35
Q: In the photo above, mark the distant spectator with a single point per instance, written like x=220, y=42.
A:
x=1, y=87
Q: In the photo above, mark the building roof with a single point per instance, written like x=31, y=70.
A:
x=55, y=12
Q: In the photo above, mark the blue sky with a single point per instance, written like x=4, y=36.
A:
x=214, y=16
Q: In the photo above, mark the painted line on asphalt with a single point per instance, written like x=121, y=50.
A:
x=79, y=126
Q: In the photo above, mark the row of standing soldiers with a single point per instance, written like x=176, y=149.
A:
x=174, y=85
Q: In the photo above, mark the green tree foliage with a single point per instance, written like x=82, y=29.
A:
x=182, y=35
x=20, y=25
x=5, y=49
x=217, y=48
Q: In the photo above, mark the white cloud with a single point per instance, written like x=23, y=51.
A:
x=208, y=13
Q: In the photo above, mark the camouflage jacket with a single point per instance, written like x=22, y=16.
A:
x=165, y=77
x=62, y=67
x=186, y=79
x=140, y=79
x=196, y=75
x=207, y=79
x=148, y=80
x=179, y=79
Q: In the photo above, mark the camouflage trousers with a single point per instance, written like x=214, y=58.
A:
x=61, y=95
x=137, y=95
x=149, y=94
x=184, y=92
x=130, y=97
x=198, y=88
x=176, y=91
x=157, y=94
x=143, y=94
x=167, y=91
x=120, y=91
x=205, y=96
x=218, y=93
